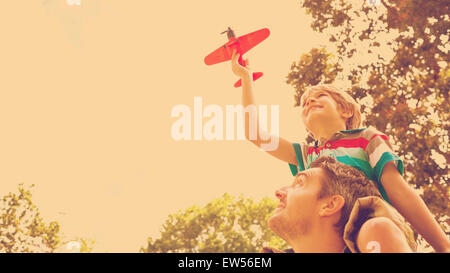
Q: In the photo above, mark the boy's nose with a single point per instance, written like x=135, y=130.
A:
x=310, y=100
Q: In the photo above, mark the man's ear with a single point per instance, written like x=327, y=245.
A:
x=332, y=205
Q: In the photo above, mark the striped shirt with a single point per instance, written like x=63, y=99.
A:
x=365, y=149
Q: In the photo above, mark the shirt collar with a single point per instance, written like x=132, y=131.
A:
x=338, y=135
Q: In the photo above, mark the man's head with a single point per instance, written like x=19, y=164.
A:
x=320, y=196
x=321, y=104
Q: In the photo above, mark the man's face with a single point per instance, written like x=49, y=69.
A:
x=299, y=204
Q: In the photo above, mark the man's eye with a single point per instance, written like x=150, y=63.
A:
x=320, y=95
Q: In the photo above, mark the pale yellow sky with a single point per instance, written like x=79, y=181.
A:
x=86, y=96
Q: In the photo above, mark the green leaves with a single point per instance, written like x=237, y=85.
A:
x=21, y=227
x=226, y=224
x=312, y=68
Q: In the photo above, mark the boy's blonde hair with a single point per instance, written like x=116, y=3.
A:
x=344, y=101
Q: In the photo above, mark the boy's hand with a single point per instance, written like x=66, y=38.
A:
x=239, y=70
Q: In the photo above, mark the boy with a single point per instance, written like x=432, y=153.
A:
x=333, y=119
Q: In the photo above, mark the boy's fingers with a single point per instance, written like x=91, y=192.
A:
x=235, y=55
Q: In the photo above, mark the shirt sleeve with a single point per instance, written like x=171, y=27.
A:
x=298, y=148
x=379, y=152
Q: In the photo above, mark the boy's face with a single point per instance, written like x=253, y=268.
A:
x=318, y=109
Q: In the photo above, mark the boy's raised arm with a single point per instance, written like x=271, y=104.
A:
x=285, y=150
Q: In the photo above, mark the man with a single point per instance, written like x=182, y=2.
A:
x=329, y=208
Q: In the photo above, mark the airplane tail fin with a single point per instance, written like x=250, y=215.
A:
x=256, y=75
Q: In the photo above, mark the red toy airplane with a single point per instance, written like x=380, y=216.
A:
x=241, y=44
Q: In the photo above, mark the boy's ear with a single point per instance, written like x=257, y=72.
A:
x=346, y=114
x=332, y=205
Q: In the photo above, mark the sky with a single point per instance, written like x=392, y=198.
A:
x=86, y=94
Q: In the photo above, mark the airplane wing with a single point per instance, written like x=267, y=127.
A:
x=250, y=40
x=246, y=42
x=222, y=54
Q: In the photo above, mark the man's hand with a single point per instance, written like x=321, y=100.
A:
x=239, y=70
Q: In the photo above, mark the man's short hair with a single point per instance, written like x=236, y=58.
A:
x=346, y=181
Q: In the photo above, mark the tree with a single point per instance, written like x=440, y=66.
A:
x=22, y=229
x=393, y=58
x=226, y=224
x=77, y=245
